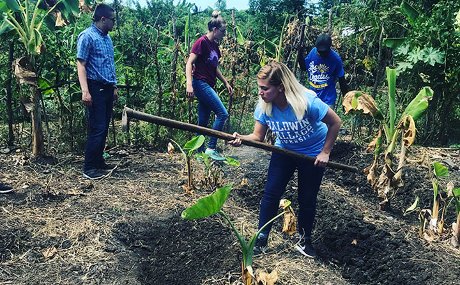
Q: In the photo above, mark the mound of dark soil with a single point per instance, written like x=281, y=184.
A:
x=58, y=228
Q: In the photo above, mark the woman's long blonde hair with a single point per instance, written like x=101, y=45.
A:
x=277, y=73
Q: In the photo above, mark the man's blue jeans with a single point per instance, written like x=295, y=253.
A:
x=280, y=171
x=99, y=115
x=208, y=101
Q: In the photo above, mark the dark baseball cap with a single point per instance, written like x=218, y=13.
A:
x=323, y=42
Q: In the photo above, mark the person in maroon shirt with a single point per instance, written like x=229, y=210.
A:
x=201, y=70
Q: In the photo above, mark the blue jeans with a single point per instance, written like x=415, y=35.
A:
x=208, y=101
x=280, y=171
x=99, y=115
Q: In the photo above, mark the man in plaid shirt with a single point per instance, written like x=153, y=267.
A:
x=96, y=73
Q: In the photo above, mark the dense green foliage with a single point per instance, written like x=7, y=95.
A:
x=419, y=38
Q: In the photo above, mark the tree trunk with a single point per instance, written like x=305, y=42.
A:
x=25, y=73
x=45, y=116
x=38, y=147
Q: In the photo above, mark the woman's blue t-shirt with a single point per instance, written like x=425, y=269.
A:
x=306, y=136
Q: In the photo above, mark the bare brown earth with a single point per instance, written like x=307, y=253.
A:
x=58, y=228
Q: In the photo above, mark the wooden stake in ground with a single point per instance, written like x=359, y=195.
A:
x=130, y=113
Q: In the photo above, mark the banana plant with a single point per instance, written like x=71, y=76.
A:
x=436, y=222
x=213, y=171
x=25, y=20
x=455, y=194
x=187, y=151
x=393, y=130
x=449, y=195
x=27, y=17
x=211, y=205
x=442, y=198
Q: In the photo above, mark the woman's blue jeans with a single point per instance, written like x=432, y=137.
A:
x=99, y=115
x=208, y=101
x=280, y=171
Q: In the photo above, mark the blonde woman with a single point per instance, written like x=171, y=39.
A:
x=302, y=123
x=201, y=72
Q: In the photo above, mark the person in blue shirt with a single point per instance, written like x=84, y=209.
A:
x=96, y=74
x=302, y=123
x=324, y=66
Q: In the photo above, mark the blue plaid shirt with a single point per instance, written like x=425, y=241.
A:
x=96, y=49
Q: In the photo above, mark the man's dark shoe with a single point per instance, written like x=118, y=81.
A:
x=261, y=245
x=95, y=174
x=107, y=166
x=5, y=188
x=305, y=247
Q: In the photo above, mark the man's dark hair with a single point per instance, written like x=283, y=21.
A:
x=102, y=10
x=323, y=42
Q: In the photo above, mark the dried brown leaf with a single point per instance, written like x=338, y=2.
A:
x=60, y=22
x=83, y=6
x=244, y=182
x=429, y=236
x=407, y=126
x=170, y=148
x=366, y=104
x=247, y=274
x=290, y=221
x=187, y=189
x=371, y=174
x=49, y=252
x=265, y=278
x=450, y=189
x=371, y=146
x=23, y=71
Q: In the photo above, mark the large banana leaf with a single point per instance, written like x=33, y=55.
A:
x=13, y=5
x=393, y=42
x=409, y=11
x=4, y=25
x=420, y=103
x=194, y=143
x=71, y=6
x=3, y=8
x=208, y=205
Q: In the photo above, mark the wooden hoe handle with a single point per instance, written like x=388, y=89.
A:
x=130, y=113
